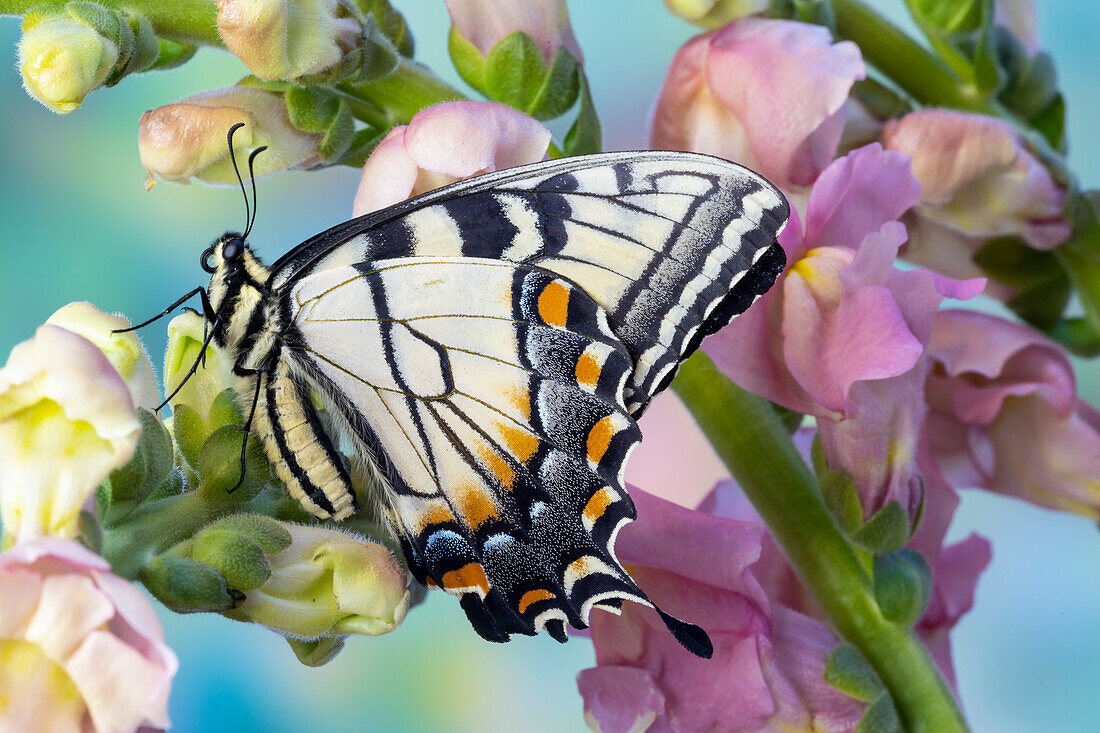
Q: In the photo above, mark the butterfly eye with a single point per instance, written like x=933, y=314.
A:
x=232, y=249
x=205, y=262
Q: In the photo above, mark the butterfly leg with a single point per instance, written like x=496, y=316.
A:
x=259, y=377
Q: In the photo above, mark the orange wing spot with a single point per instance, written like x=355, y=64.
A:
x=430, y=583
x=554, y=304
x=503, y=471
x=521, y=443
x=588, y=370
x=596, y=506
x=469, y=577
x=599, y=438
x=521, y=400
x=435, y=513
x=476, y=506
x=533, y=596
x=578, y=568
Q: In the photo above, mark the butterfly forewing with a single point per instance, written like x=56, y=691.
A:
x=490, y=344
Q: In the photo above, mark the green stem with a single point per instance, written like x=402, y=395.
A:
x=186, y=21
x=406, y=90
x=752, y=442
x=155, y=527
x=906, y=62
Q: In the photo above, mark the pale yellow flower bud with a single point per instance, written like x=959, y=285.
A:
x=123, y=350
x=277, y=39
x=328, y=583
x=66, y=421
x=185, y=337
x=62, y=60
x=188, y=139
x=712, y=14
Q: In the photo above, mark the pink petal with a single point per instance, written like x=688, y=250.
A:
x=620, y=699
x=787, y=83
x=388, y=175
x=52, y=553
x=857, y=194
x=461, y=139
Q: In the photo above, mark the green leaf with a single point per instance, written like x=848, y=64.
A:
x=584, y=136
x=468, y=61
x=886, y=531
x=185, y=585
x=239, y=558
x=850, y=673
x=316, y=652
x=559, y=88
x=390, y=22
x=515, y=70
x=903, y=586
x=881, y=717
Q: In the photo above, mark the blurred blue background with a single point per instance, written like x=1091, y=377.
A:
x=77, y=224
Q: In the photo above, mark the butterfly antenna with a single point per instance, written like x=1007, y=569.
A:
x=233, y=157
x=252, y=176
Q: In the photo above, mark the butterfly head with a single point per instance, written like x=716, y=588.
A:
x=235, y=271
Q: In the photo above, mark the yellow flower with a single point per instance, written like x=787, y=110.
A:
x=63, y=59
x=66, y=421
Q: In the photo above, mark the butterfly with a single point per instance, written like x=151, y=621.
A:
x=488, y=348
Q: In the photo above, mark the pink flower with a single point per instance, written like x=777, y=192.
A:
x=766, y=672
x=842, y=333
x=444, y=144
x=1005, y=415
x=80, y=648
x=484, y=23
x=978, y=181
x=770, y=94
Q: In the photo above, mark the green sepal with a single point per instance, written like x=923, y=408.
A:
x=560, y=87
x=145, y=51
x=219, y=466
x=91, y=532
x=104, y=20
x=149, y=467
x=173, y=485
x=989, y=77
x=271, y=536
x=239, y=558
x=1042, y=287
x=886, y=531
x=838, y=491
x=102, y=501
x=190, y=432
x=467, y=60
x=515, y=70
x=362, y=145
x=584, y=136
x=1080, y=254
x=903, y=586
x=1051, y=123
x=946, y=18
x=881, y=717
x=389, y=21
x=818, y=12
x=171, y=54
x=339, y=136
x=279, y=86
x=311, y=108
x=1031, y=82
x=380, y=56
x=1077, y=336
x=316, y=652
x=850, y=673
x=185, y=585
x=791, y=419
x=880, y=100
x=224, y=410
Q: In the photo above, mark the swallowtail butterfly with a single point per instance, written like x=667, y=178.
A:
x=489, y=346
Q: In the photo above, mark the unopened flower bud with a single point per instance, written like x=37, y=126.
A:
x=188, y=139
x=186, y=333
x=277, y=39
x=328, y=583
x=712, y=14
x=63, y=59
x=484, y=23
x=123, y=350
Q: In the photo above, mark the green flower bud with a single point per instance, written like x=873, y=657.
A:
x=327, y=583
x=277, y=39
x=712, y=14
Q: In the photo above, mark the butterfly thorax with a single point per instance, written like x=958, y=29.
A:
x=248, y=321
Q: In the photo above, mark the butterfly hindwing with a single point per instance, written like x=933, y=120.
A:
x=497, y=398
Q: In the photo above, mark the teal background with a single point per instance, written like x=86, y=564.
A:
x=77, y=224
